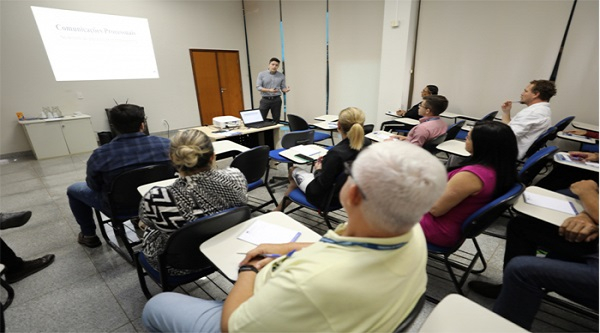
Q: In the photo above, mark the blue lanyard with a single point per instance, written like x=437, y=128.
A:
x=432, y=118
x=362, y=244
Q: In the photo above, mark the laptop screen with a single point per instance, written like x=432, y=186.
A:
x=251, y=116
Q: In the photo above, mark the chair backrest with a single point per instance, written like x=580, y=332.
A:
x=414, y=313
x=431, y=145
x=123, y=198
x=368, y=128
x=182, y=250
x=453, y=130
x=541, y=141
x=296, y=123
x=252, y=163
x=477, y=222
x=561, y=125
x=292, y=139
x=535, y=163
x=490, y=116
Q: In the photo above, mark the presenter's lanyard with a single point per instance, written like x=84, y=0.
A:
x=371, y=246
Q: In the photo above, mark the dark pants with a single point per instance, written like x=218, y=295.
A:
x=273, y=104
x=525, y=235
x=394, y=126
x=9, y=258
x=562, y=176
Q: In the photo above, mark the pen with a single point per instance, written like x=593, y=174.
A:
x=266, y=255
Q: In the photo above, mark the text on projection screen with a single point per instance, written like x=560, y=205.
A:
x=87, y=46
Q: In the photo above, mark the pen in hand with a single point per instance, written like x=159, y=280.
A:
x=265, y=255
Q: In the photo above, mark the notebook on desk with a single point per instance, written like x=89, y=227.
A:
x=254, y=119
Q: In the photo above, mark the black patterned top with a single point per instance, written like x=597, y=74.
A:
x=166, y=209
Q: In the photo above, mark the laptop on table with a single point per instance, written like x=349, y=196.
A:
x=254, y=119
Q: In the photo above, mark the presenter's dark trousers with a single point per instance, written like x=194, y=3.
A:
x=272, y=103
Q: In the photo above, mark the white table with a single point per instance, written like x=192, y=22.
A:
x=290, y=154
x=456, y=313
x=328, y=117
x=456, y=147
x=379, y=136
x=564, y=158
x=223, y=249
x=450, y=115
x=545, y=214
x=575, y=137
x=268, y=135
x=326, y=125
x=403, y=120
x=584, y=126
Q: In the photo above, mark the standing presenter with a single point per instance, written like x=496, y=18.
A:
x=271, y=84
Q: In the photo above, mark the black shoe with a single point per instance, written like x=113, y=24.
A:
x=29, y=267
x=486, y=289
x=13, y=220
x=89, y=241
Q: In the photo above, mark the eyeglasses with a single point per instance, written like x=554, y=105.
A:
x=348, y=172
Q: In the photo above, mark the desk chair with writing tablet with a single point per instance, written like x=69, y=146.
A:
x=289, y=140
x=123, y=201
x=462, y=134
x=472, y=227
x=540, y=142
x=298, y=123
x=535, y=163
x=182, y=250
x=253, y=164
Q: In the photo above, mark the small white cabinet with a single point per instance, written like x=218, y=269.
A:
x=59, y=137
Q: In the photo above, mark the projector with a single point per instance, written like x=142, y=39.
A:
x=225, y=122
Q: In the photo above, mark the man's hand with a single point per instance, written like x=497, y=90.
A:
x=586, y=156
x=506, y=107
x=585, y=186
x=286, y=89
x=580, y=228
x=401, y=113
x=577, y=132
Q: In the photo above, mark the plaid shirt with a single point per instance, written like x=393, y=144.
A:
x=126, y=150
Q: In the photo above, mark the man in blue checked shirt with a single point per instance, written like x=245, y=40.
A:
x=130, y=148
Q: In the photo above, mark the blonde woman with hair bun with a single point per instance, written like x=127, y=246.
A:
x=199, y=191
x=317, y=185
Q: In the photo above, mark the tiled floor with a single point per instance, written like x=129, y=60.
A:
x=95, y=290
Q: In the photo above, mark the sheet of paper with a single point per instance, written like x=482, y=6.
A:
x=306, y=150
x=383, y=135
x=550, y=203
x=261, y=232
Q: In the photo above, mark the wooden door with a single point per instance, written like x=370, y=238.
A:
x=218, y=82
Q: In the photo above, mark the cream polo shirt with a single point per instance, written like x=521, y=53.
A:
x=529, y=124
x=337, y=288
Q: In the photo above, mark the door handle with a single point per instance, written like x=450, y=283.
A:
x=223, y=89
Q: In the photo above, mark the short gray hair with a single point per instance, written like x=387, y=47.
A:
x=401, y=182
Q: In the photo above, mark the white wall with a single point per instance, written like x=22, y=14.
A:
x=176, y=26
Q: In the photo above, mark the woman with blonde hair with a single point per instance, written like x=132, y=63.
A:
x=316, y=185
x=199, y=191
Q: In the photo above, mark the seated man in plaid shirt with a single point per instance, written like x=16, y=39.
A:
x=131, y=148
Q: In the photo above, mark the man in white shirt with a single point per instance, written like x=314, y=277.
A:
x=535, y=119
x=366, y=276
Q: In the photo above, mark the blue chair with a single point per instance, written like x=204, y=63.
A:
x=253, y=164
x=593, y=148
x=298, y=123
x=289, y=140
x=298, y=197
x=535, y=163
x=472, y=227
x=462, y=135
x=540, y=142
x=182, y=250
x=561, y=125
x=454, y=129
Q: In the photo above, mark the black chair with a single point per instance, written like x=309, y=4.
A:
x=253, y=164
x=561, y=125
x=289, y=140
x=9, y=298
x=414, y=313
x=472, y=227
x=182, y=250
x=298, y=123
x=431, y=145
x=535, y=163
x=298, y=197
x=368, y=128
x=122, y=201
x=453, y=130
x=540, y=142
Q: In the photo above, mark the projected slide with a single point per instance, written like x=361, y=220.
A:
x=87, y=46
